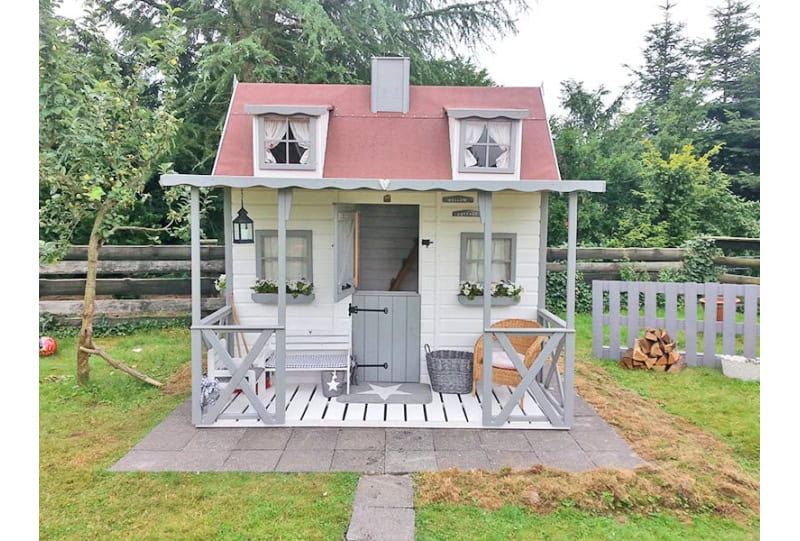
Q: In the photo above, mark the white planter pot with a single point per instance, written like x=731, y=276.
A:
x=739, y=367
x=496, y=301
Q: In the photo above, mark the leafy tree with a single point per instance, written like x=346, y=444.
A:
x=106, y=120
x=731, y=61
x=666, y=59
x=309, y=41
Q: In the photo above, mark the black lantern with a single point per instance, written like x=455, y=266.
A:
x=242, y=226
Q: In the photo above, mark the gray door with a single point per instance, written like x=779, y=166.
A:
x=390, y=336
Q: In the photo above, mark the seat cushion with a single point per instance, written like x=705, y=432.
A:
x=501, y=360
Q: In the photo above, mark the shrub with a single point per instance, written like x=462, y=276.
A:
x=556, y=294
x=698, y=265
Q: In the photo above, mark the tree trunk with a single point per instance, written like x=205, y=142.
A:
x=89, y=293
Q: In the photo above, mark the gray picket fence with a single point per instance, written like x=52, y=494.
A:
x=695, y=333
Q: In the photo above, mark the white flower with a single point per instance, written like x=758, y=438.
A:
x=220, y=282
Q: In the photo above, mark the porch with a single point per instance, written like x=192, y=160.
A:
x=544, y=399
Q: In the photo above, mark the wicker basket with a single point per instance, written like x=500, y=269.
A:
x=450, y=370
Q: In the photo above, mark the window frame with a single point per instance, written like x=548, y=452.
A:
x=260, y=234
x=310, y=165
x=512, y=158
x=466, y=236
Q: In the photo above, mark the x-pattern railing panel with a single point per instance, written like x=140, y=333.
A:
x=238, y=373
x=532, y=377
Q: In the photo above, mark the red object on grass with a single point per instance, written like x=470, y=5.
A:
x=47, y=346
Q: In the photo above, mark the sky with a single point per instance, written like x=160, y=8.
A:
x=587, y=40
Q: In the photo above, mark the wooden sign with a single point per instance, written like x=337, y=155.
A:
x=458, y=199
x=469, y=213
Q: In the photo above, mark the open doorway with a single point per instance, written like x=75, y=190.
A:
x=387, y=248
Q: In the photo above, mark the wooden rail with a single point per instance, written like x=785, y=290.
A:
x=146, y=281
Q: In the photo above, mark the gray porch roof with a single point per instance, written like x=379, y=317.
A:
x=386, y=185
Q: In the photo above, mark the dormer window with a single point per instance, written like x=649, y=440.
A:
x=485, y=142
x=486, y=145
x=286, y=141
x=289, y=137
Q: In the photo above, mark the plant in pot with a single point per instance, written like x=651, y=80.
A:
x=504, y=293
x=220, y=283
x=299, y=291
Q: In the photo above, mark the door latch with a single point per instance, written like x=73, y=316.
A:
x=355, y=309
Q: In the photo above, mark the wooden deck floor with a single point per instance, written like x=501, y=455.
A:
x=307, y=406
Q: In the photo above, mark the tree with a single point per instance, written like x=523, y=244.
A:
x=731, y=61
x=309, y=41
x=666, y=59
x=106, y=120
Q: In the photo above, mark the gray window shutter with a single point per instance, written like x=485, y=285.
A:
x=344, y=251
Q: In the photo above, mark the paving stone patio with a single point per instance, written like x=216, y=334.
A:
x=175, y=445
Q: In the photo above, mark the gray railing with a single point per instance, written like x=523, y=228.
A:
x=551, y=390
x=610, y=298
x=217, y=335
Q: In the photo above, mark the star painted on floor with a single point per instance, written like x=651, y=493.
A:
x=384, y=392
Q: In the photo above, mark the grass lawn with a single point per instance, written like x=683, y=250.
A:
x=84, y=431
x=703, y=440
x=705, y=428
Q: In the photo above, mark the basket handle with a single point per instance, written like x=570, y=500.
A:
x=427, y=349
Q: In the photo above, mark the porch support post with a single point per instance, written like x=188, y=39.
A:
x=228, y=232
x=485, y=206
x=284, y=208
x=569, y=350
x=197, y=340
x=544, y=219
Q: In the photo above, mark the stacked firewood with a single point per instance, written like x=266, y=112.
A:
x=656, y=351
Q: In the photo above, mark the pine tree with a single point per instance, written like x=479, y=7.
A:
x=666, y=59
x=731, y=62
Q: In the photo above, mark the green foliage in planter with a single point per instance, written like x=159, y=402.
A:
x=293, y=287
x=556, y=295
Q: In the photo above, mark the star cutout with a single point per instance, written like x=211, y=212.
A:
x=384, y=392
x=333, y=384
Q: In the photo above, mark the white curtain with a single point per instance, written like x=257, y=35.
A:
x=473, y=266
x=472, y=133
x=501, y=133
x=274, y=131
x=301, y=131
x=345, y=251
x=501, y=255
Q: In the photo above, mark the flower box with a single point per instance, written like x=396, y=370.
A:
x=496, y=301
x=272, y=298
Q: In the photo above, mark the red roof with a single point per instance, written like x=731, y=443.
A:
x=362, y=144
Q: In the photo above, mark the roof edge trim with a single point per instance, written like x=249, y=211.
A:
x=308, y=110
x=513, y=114
x=528, y=185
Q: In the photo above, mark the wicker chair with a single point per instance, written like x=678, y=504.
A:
x=529, y=346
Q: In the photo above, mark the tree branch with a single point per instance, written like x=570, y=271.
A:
x=119, y=365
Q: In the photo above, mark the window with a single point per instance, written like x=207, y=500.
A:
x=286, y=142
x=504, y=254
x=487, y=145
x=298, y=255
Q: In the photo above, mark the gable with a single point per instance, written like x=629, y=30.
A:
x=362, y=144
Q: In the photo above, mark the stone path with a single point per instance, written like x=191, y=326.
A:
x=175, y=445
x=383, y=509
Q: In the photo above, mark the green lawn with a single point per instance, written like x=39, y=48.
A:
x=84, y=431
x=728, y=409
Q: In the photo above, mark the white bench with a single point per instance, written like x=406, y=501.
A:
x=314, y=352
x=256, y=375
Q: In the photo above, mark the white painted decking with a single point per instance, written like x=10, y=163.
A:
x=307, y=406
